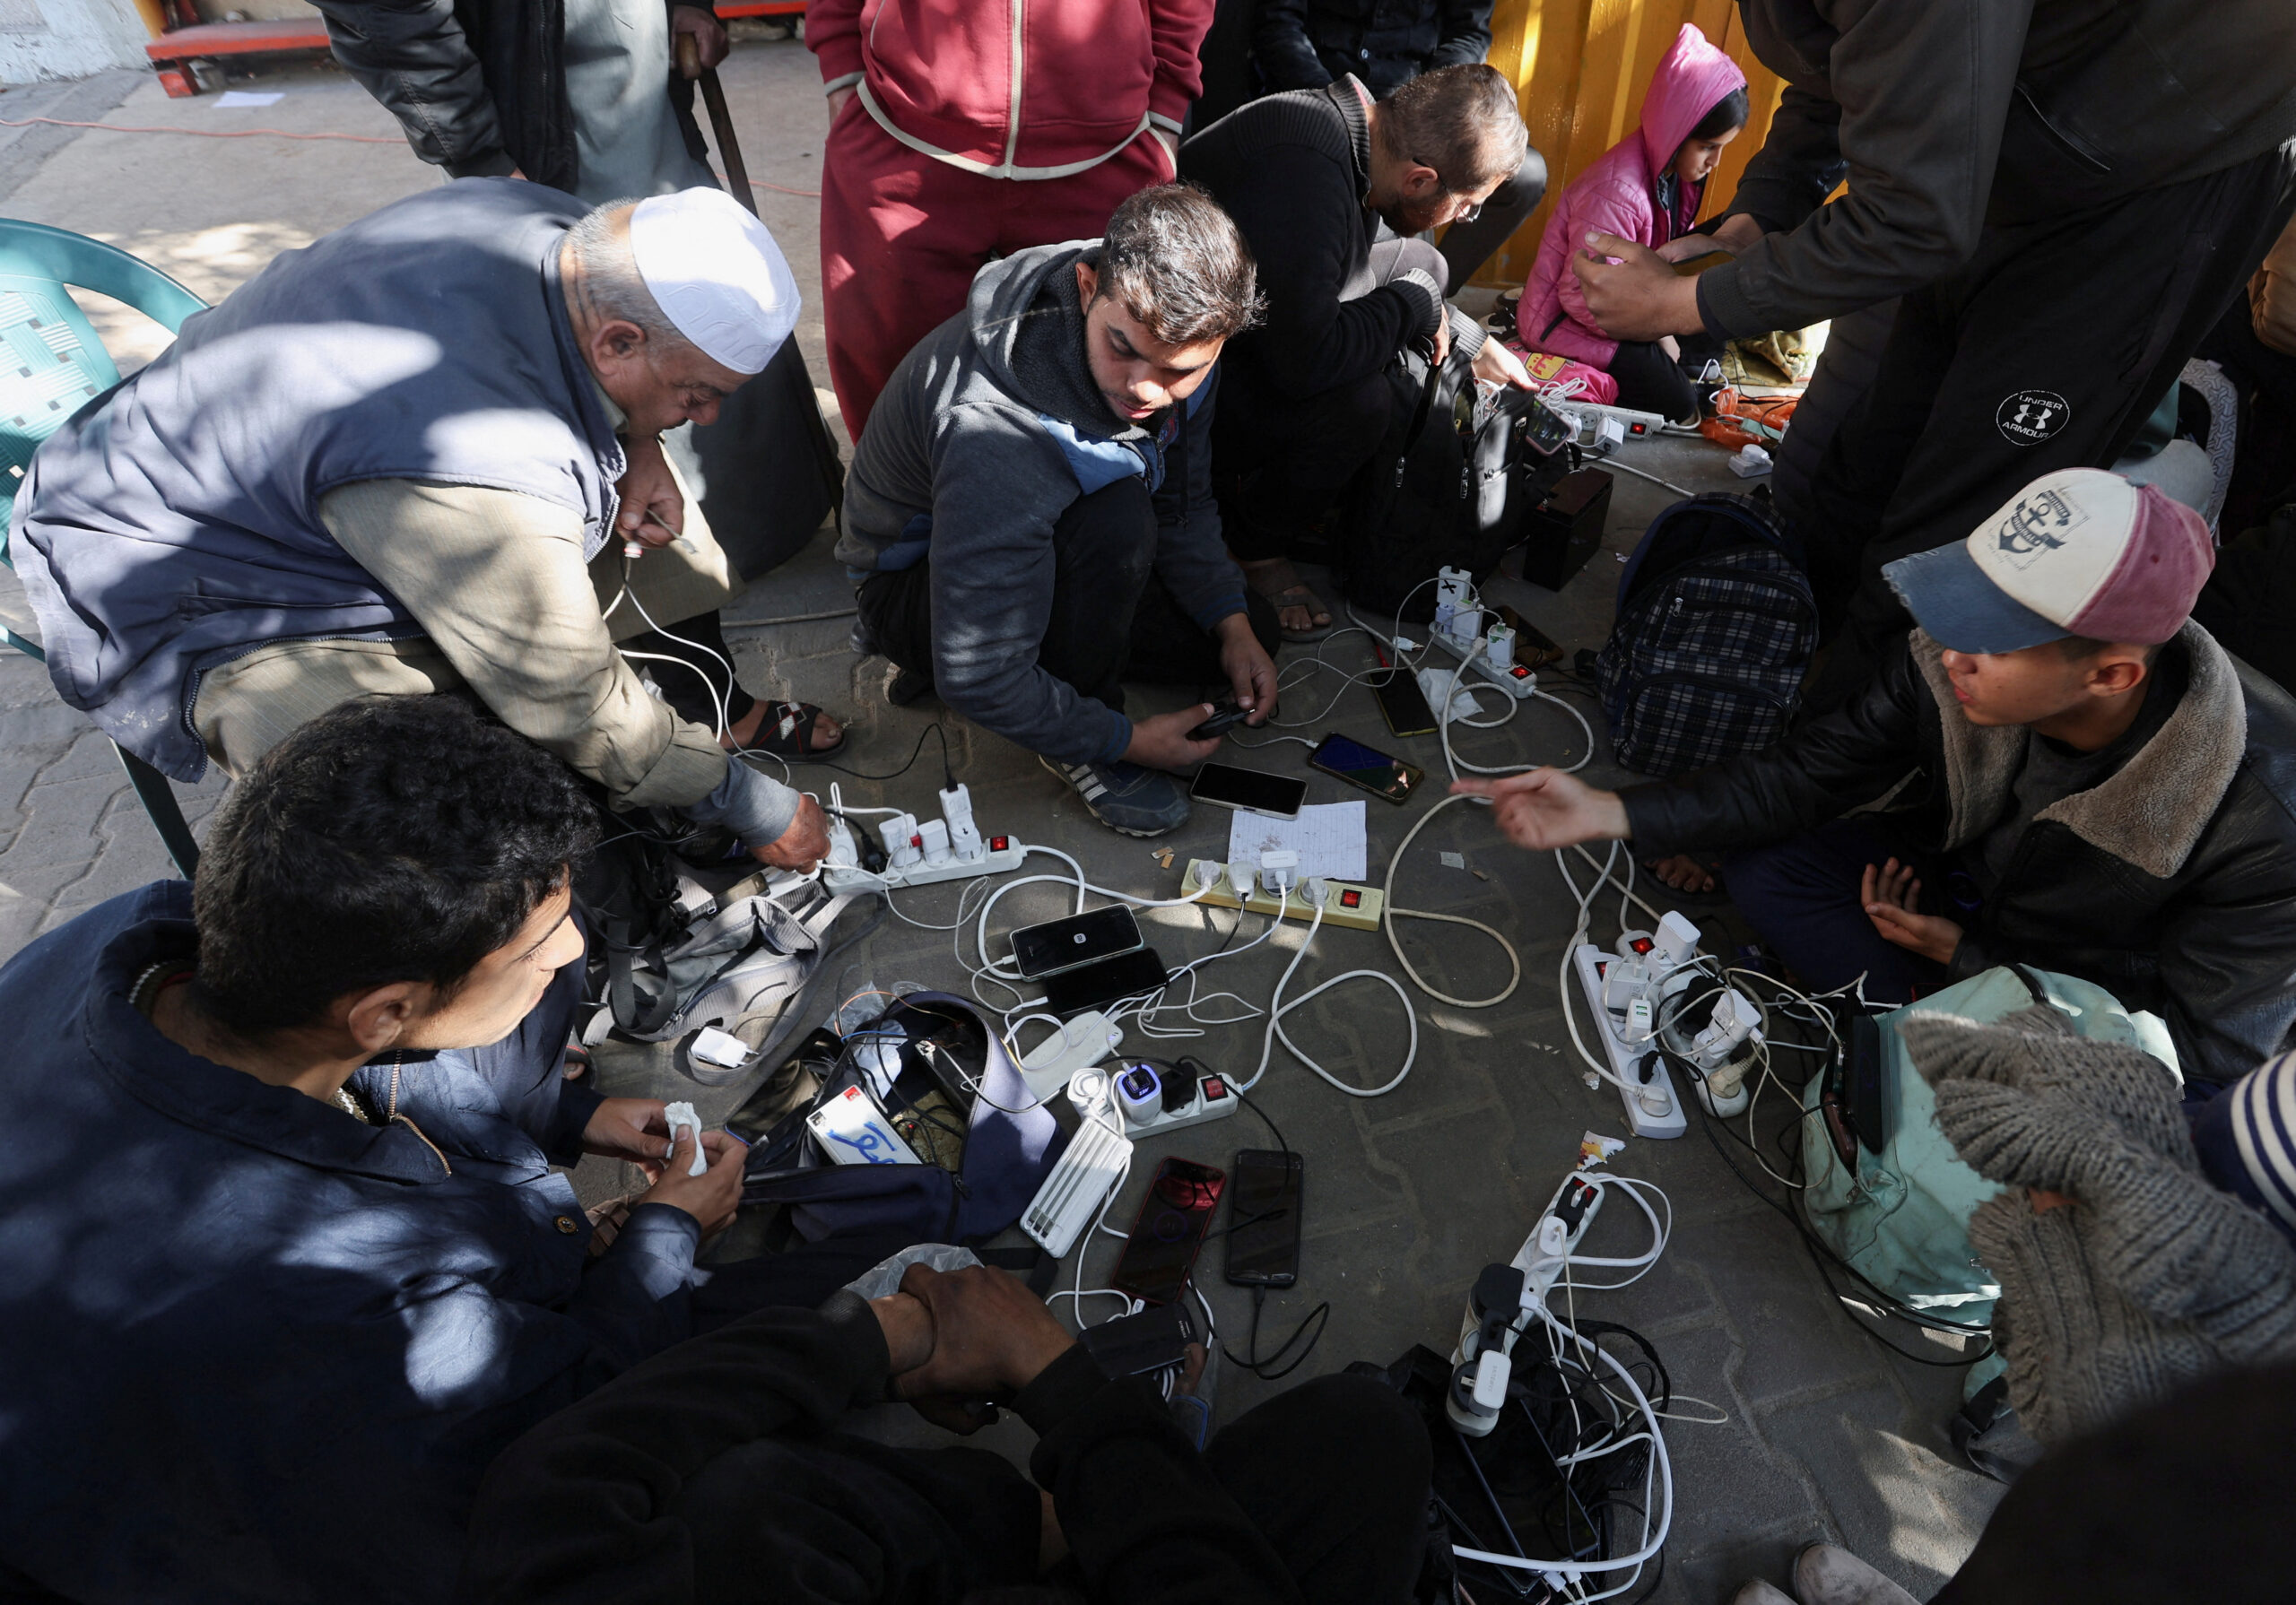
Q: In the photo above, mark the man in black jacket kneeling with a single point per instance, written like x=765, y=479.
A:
x=2078, y=777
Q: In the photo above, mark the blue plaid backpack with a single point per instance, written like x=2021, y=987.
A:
x=1716, y=625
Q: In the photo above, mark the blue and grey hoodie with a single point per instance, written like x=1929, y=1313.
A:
x=988, y=429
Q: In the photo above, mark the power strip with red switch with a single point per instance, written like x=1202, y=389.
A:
x=1345, y=904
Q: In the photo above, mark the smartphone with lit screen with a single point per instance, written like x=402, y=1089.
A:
x=1362, y=765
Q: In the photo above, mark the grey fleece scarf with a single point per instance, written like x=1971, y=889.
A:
x=2149, y=1277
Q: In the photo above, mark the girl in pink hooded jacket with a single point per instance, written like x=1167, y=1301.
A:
x=1646, y=188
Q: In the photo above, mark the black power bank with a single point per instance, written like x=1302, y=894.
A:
x=1126, y=975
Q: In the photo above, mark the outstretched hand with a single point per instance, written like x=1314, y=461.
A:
x=1548, y=808
x=1892, y=895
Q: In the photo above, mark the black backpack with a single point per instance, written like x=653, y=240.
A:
x=1447, y=488
x=1715, y=630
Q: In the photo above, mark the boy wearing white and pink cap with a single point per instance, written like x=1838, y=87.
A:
x=2077, y=777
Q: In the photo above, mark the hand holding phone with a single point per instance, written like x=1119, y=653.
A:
x=1225, y=716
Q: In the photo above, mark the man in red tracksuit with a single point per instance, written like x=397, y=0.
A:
x=962, y=130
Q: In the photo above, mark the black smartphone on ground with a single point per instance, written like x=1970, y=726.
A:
x=1264, y=1218
x=1402, y=703
x=1171, y=1227
x=1079, y=939
x=1534, y=648
x=1253, y=791
x=1374, y=771
x=1126, y=975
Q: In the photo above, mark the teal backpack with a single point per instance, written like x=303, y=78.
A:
x=1900, y=1220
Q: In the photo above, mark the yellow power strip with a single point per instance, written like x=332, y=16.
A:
x=1362, y=914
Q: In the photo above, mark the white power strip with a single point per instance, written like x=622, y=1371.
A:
x=1655, y=1109
x=1587, y=417
x=993, y=860
x=1540, y=1258
x=1515, y=680
x=1211, y=1098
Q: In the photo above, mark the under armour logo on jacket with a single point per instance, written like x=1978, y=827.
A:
x=2031, y=416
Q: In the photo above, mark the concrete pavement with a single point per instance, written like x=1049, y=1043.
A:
x=1826, y=1435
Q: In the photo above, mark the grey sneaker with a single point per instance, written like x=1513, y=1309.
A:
x=1127, y=799
x=1826, y=1575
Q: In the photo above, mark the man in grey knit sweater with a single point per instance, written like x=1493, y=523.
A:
x=1029, y=517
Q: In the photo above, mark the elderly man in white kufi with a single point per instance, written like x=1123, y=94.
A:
x=422, y=456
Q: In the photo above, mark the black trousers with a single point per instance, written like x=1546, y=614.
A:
x=1334, y=1473
x=696, y=697
x=2046, y=351
x=1650, y=381
x=1281, y=459
x=1111, y=620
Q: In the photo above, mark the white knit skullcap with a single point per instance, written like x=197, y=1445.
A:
x=716, y=275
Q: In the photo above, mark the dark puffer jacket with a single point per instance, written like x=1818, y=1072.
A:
x=1958, y=115
x=2173, y=884
x=478, y=85
x=1306, y=44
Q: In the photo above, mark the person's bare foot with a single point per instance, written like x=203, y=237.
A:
x=1299, y=613
x=825, y=736
x=1682, y=872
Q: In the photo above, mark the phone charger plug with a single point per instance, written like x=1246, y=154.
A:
x=1312, y=891
x=721, y=1048
x=1241, y=878
x=1279, y=869
x=1208, y=871
x=1431, y=682
x=1676, y=939
x=842, y=850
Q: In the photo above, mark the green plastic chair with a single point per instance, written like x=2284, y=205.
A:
x=51, y=364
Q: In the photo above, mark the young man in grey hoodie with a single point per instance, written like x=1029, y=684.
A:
x=1029, y=517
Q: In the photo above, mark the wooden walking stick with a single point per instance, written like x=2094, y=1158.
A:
x=721, y=121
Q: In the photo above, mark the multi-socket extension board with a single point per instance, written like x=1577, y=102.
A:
x=1587, y=417
x=993, y=861
x=1452, y=588
x=1653, y=1107
x=1359, y=914
x=1210, y=1097
x=1515, y=680
x=920, y=853
x=1484, y=1374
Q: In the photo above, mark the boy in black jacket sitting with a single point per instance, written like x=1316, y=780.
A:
x=2079, y=775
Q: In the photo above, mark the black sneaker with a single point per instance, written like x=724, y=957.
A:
x=1125, y=797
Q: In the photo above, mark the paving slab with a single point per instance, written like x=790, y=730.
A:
x=1407, y=1195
